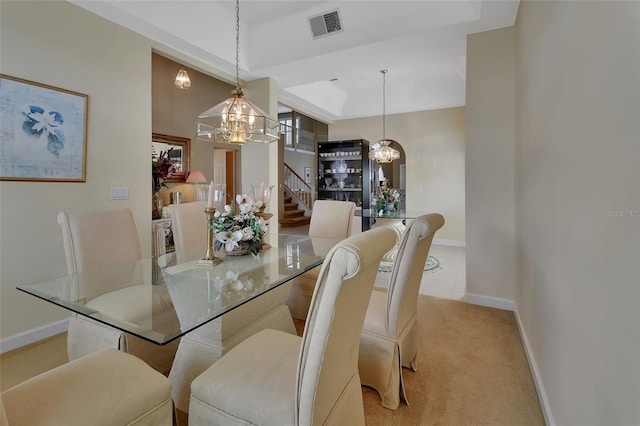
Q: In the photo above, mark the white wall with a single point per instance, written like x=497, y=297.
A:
x=490, y=96
x=434, y=145
x=578, y=204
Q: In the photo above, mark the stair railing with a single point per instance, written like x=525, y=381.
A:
x=297, y=188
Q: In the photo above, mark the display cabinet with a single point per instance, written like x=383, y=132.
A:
x=344, y=171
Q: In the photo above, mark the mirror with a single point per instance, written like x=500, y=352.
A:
x=179, y=156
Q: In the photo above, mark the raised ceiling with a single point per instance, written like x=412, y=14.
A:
x=421, y=43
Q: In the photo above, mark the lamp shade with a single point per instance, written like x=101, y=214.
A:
x=196, y=177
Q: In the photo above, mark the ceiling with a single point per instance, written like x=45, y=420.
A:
x=422, y=44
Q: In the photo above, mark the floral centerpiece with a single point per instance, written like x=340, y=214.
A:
x=161, y=169
x=386, y=199
x=239, y=232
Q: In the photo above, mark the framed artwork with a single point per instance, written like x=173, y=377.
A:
x=307, y=174
x=43, y=132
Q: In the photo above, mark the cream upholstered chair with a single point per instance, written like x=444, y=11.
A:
x=389, y=337
x=189, y=226
x=275, y=378
x=96, y=240
x=202, y=347
x=329, y=219
x=107, y=387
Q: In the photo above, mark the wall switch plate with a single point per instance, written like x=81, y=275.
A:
x=419, y=188
x=119, y=193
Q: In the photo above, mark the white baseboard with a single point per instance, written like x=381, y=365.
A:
x=451, y=243
x=488, y=301
x=31, y=336
x=537, y=380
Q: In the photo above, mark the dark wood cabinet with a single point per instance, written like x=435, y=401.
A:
x=344, y=171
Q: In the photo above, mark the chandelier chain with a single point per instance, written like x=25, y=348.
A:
x=237, y=44
x=384, y=102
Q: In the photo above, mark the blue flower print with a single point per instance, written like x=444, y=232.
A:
x=38, y=121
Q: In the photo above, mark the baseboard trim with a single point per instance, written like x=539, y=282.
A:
x=488, y=301
x=451, y=243
x=537, y=379
x=31, y=336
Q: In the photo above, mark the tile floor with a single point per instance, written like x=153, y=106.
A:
x=447, y=282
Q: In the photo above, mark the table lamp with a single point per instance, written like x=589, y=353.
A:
x=197, y=177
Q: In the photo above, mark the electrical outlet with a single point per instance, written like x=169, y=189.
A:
x=119, y=193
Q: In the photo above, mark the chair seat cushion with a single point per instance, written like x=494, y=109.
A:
x=254, y=383
x=107, y=387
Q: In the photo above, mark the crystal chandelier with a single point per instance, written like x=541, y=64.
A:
x=381, y=151
x=182, y=79
x=236, y=120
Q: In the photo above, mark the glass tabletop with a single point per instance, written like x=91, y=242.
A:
x=162, y=298
x=395, y=214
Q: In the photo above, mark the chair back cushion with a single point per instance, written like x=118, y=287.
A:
x=328, y=362
x=407, y=270
x=331, y=219
x=98, y=238
x=189, y=225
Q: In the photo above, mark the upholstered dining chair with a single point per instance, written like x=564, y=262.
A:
x=202, y=347
x=189, y=226
x=108, y=387
x=96, y=240
x=389, y=337
x=275, y=378
x=329, y=219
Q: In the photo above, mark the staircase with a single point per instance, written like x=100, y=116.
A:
x=293, y=216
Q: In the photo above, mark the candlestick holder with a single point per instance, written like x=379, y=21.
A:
x=265, y=217
x=210, y=258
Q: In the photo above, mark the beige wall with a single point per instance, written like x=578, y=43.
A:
x=59, y=44
x=490, y=96
x=434, y=145
x=174, y=112
x=578, y=204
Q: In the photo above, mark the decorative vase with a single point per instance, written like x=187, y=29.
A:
x=389, y=207
x=156, y=206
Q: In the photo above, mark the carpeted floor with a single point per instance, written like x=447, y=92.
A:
x=472, y=370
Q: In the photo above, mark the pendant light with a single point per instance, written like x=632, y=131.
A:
x=182, y=79
x=236, y=120
x=381, y=151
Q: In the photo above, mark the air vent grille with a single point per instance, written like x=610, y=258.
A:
x=325, y=24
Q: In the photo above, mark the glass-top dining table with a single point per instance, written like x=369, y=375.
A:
x=162, y=298
x=394, y=219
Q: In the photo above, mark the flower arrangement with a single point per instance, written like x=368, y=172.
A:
x=385, y=197
x=161, y=169
x=242, y=229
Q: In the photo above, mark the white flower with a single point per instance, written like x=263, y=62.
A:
x=229, y=239
x=44, y=121
x=247, y=234
x=245, y=205
x=231, y=278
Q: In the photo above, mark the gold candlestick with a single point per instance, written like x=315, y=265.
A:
x=210, y=258
x=265, y=217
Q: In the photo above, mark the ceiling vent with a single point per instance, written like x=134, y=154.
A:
x=325, y=24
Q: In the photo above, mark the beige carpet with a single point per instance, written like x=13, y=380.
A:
x=472, y=370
